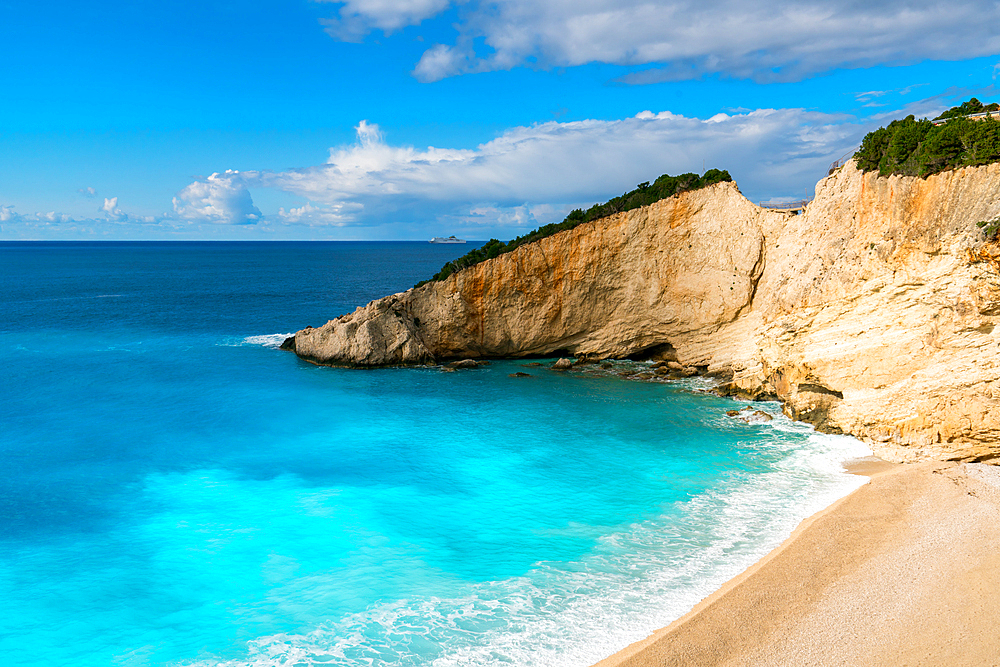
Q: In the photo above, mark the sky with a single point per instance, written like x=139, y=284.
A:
x=406, y=119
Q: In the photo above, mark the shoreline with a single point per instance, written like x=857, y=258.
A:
x=904, y=570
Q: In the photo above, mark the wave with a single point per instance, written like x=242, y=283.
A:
x=575, y=613
x=267, y=340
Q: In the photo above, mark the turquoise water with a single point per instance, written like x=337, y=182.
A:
x=176, y=491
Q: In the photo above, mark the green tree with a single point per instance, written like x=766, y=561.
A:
x=920, y=148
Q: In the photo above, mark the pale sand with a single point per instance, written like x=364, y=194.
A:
x=904, y=571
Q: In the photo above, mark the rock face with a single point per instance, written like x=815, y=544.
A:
x=872, y=314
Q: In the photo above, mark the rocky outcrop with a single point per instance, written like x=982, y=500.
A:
x=872, y=314
x=609, y=288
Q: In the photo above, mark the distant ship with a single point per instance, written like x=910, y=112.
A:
x=450, y=239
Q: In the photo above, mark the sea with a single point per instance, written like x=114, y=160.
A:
x=176, y=490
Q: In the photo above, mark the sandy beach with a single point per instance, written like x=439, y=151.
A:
x=904, y=571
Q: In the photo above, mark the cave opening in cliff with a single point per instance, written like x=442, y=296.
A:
x=658, y=352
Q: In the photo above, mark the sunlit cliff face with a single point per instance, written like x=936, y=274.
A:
x=872, y=313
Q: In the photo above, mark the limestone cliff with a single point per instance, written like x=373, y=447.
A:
x=872, y=314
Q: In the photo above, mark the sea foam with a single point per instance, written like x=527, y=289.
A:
x=267, y=340
x=634, y=581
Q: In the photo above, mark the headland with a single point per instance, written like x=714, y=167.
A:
x=871, y=314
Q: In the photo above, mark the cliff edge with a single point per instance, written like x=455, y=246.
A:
x=873, y=313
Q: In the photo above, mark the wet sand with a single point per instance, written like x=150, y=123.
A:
x=904, y=571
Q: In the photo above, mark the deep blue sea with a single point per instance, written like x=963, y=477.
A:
x=177, y=491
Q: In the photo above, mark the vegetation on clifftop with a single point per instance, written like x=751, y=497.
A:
x=644, y=195
x=913, y=147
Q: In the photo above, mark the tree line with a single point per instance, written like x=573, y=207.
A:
x=644, y=195
x=914, y=147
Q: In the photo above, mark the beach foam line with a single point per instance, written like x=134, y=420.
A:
x=889, y=575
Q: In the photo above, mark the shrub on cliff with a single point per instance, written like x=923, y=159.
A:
x=644, y=194
x=920, y=148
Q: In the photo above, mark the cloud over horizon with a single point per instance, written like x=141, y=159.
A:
x=220, y=198
x=682, y=39
x=530, y=174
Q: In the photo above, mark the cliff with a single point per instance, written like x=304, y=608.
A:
x=871, y=314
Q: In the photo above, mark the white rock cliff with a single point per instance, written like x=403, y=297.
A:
x=873, y=313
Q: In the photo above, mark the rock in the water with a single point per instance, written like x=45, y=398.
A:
x=519, y=374
x=689, y=371
x=606, y=365
x=464, y=363
x=750, y=416
x=674, y=366
x=562, y=365
x=288, y=344
x=533, y=364
x=662, y=370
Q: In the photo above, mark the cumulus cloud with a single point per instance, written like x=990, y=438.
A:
x=683, y=39
x=111, y=210
x=220, y=198
x=530, y=175
x=88, y=192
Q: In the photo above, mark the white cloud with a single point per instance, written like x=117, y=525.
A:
x=88, y=192
x=779, y=40
x=529, y=175
x=66, y=223
x=220, y=198
x=111, y=210
x=441, y=61
x=357, y=18
x=336, y=215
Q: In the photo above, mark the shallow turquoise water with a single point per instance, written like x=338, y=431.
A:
x=177, y=491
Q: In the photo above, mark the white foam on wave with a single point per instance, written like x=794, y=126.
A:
x=632, y=583
x=268, y=340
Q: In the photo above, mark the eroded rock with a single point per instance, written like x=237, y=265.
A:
x=874, y=313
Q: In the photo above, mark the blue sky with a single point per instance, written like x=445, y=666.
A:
x=403, y=119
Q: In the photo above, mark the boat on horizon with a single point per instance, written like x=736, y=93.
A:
x=448, y=239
